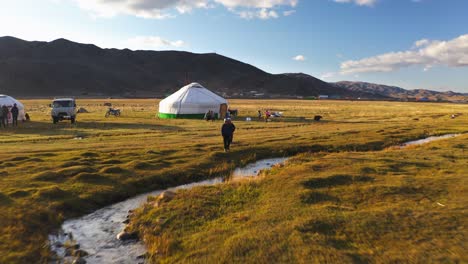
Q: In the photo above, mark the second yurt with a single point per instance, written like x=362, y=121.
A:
x=192, y=101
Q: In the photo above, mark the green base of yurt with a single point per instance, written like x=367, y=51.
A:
x=182, y=116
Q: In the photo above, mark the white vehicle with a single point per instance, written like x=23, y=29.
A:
x=63, y=109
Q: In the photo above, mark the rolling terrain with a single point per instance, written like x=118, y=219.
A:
x=49, y=173
x=62, y=67
x=399, y=93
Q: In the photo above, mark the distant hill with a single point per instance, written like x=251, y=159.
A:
x=62, y=67
x=400, y=93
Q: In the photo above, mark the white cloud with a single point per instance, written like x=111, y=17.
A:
x=152, y=43
x=289, y=12
x=367, y=2
x=257, y=3
x=262, y=14
x=139, y=8
x=299, y=58
x=160, y=9
x=358, y=2
x=426, y=53
x=328, y=75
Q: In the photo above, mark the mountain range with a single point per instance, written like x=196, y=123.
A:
x=65, y=68
x=399, y=93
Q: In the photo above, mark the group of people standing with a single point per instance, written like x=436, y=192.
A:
x=7, y=114
x=267, y=115
x=210, y=115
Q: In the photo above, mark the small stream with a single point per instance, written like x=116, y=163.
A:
x=96, y=232
x=427, y=140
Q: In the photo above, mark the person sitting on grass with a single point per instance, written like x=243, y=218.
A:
x=209, y=116
x=227, y=131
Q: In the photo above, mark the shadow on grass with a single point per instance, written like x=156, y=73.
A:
x=80, y=128
x=53, y=193
x=406, y=190
x=94, y=178
x=63, y=174
x=319, y=226
x=336, y=180
x=401, y=166
x=317, y=197
x=114, y=170
x=76, y=163
x=340, y=244
x=19, y=194
x=359, y=259
x=5, y=200
x=328, y=229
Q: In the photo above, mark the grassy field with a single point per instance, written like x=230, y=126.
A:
x=391, y=206
x=52, y=172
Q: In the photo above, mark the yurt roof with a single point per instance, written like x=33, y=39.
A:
x=9, y=101
x=195, y=93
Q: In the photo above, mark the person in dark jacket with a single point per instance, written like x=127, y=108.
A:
x=5, y=112
x=14, y=113
x=2, y=123
x=227, y=131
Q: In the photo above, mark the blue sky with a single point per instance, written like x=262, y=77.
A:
x=409, y=43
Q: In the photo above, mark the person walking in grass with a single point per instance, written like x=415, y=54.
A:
x=5, y=112
x=14, y=113
x=227, y=131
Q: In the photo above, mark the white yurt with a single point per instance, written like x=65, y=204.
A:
x=192, y=101
x=9, y=102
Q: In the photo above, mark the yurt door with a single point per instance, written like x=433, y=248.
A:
x=222, y=111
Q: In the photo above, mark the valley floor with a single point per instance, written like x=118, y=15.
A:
x=391, y=206
x=340, y=198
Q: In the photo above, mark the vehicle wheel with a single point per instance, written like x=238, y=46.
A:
x=117, y=114
x=72, y=120
x=107, y=114
x=54, y=120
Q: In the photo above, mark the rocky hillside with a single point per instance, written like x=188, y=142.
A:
x=62, y=67
x=400, y=93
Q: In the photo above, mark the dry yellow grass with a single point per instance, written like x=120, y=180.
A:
x=52, y=172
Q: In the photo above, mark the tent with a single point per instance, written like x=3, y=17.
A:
x=9, y=102
x=192, y=101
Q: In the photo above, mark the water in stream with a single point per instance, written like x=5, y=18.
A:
x=427, y=140
x=96, y=232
